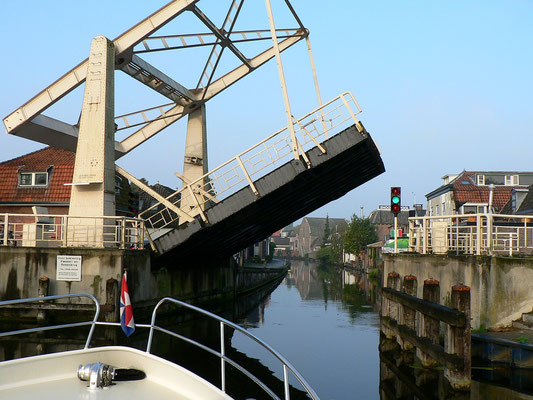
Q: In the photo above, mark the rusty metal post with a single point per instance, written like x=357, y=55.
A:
x=111, y=300
x=407, y=316
x=429, y=327
x=458, y=340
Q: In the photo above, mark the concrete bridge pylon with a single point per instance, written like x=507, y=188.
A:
x=93, y=183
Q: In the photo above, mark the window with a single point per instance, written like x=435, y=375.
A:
x=469, y=209
x=443, y=208
x=511, y=180
x=481, y=179
x=33, y=179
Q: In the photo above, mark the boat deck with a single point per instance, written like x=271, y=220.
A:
x=54, y=377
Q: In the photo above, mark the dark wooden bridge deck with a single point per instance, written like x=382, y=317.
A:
x=285, y=194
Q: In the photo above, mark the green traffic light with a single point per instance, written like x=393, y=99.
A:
x=395, y=199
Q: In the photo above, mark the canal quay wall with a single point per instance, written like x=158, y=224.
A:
x=501, y=287
x=23, y=270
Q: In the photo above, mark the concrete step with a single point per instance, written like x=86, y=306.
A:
x=528, y=317
x=523, y=325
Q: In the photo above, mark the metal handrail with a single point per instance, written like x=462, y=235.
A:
x=287, y=366
x=61, y=326
x=70, y=230
x=480, y=233
x=242, y=167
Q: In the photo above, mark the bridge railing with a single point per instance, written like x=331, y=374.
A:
x=49, y=230
x=472, y=234
x=245, y=168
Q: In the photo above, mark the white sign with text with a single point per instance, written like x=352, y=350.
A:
x=68, y=268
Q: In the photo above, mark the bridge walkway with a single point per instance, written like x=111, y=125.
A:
x=228, y=217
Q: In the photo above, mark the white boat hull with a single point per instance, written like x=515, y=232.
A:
x=54, y=377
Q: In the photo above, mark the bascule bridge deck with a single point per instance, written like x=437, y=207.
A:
x=285, y=194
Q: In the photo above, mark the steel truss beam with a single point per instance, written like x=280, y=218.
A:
x=27, y=121
x=71, y=80
x=177, y=112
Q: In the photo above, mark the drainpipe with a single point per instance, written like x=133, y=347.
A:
x=489, y=219
x=491, y=195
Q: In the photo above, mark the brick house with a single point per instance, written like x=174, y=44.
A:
x=383, y=221
x=37, y=183
x=468, y=192
x=311, y=232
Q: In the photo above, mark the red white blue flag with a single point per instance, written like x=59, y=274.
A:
x=126, y=311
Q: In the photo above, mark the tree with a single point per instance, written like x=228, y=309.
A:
x=325, y=255
x=359, y=234
x=325, y=236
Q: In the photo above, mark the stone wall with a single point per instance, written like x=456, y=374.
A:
x=501, y=287
x=21, y=268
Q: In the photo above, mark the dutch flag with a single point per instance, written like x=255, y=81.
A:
x=126, y=311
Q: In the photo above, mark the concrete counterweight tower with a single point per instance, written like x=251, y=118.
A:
x=93, y=185
x=195, y=162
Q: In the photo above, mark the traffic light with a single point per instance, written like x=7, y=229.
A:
x=395, y=199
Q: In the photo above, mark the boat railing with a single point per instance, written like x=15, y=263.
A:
x=221, y=354
x=92, y=323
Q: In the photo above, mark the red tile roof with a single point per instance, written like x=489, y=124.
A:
x=61, y=165
x=471, y=193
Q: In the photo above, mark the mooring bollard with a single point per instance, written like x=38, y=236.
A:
x=44, y=284
x=111, y=300
x=429, y=327
x=390, y=308
x=407, y=316
x=458, y=340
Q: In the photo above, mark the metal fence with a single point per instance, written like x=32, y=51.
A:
x=49, y=230
x=472, y=234
x=251, y=164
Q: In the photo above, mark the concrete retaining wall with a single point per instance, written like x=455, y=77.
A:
x=501, y=287
x=21, y=268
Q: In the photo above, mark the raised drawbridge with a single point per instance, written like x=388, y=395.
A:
x=312, y=160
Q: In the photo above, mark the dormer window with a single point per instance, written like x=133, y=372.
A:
x=481, y=179
x=33, y=179
x=511, y=180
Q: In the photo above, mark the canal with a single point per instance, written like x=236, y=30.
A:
x=323, y=319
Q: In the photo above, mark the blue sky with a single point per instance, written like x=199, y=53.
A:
x=444, y=85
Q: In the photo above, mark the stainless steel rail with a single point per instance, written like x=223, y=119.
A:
x=287, y=366
x=61, y=326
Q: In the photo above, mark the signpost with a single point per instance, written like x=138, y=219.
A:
x=68, y=268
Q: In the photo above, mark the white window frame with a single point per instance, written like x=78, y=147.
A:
x=481, y=208
x=511, y=180
x=481, y=179
x=33, y=175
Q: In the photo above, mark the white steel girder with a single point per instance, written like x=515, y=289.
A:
x=27, y=121
x=177, y=112
x=71, y=80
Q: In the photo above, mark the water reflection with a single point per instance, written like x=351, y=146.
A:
x=324, y=320
x=402, y=378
